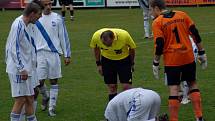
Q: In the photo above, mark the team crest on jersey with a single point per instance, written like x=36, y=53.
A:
x=54, y=24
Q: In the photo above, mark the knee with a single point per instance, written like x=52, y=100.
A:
x=41, y=83
x=53, y=81
x=126, y=86
x=112, y=88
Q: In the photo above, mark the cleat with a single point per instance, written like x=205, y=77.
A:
x=185, y=101
x=52, y=113
x=200, y=119
x=162, y=117
x=44, y=105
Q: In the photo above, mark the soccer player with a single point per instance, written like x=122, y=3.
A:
x=21, y=61
x=63, y=10
x=171, y=31
x=52, y=41
x=135, y=104
x=184, y=86
x=144, y=4
x=114, y=51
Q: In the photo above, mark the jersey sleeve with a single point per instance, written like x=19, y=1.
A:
x=157, y=32
x=16, y=34
x=64, y=38
x=93, y=43
x=130, y=41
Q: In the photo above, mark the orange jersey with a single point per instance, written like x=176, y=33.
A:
x=173, y=27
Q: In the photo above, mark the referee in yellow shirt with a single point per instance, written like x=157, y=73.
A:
x=114, y=50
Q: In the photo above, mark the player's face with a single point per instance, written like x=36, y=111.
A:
x=107, y=41
x=155, y=12
x=47, y=6
x=35, y=16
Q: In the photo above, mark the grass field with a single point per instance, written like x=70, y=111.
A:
x=83, y=95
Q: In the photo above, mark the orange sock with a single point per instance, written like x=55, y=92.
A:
x=196, y=101
x=173, y=108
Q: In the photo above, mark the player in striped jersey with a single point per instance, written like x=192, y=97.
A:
x=51, y=42
x=21, y=62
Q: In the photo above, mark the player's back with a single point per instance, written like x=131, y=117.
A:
x=174, y=28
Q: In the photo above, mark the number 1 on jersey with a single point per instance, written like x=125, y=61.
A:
x=175, y=31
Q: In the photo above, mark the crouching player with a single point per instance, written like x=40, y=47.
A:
x=135, y=104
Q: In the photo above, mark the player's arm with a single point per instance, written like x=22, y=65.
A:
x=97, y=54
x=65, y=42
x=201, y=51
x=17, y=35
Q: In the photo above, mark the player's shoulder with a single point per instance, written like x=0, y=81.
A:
x=56, y=15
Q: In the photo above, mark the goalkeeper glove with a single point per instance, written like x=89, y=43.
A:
x=202, y=58
x=155, y=69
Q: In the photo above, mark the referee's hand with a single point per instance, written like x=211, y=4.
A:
x=99, y=68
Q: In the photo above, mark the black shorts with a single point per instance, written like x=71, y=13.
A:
x=66, y=2
x=117, y=68
x=176, y=74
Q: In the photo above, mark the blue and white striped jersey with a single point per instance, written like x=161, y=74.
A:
x=20, y=48
x=52, y=35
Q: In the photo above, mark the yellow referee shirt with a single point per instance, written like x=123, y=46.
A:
x=120, y=46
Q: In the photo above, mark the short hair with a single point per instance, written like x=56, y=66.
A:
x=107, y=34
x=39, y=2
x=159, y=3
x=31, y=7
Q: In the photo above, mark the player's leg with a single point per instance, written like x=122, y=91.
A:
x=194, y=94
x=54, y=74
x=110, y=76
x=71, y=10
x=185, y=90
x=29, y=108
x=45, y=94
x=173, y=80
x=146, y=20
x=18, y=93
x=54, y=89
x=124, y=73
x=42, y=74
x=63, y=9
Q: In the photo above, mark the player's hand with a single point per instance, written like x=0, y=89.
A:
x=99, y=68
x=203, y=61
x=67, y=60
x=202, y=58
x=155, y=69
x=24, y=75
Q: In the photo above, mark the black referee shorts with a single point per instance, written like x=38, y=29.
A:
x=66, y=2
x=117, y=68
x=176, y=74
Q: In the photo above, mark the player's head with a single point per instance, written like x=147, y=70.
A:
x=33, y=12
x=107, y=37
x=47, y=6
x=156, y=7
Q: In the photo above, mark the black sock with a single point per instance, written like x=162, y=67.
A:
x=71, y=12
x=111, y=96
x=63, y=13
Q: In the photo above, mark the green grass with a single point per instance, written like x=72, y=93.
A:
x=83, y=95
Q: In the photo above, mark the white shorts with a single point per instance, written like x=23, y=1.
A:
x=35, y=79
x=48, y=65
x=21, y=87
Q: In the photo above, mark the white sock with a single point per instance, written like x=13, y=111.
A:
x=14, y=116
x=35, y=106
x=31, y=118
x=22, y=115
x=53, y=96
x=185, y=89
x=44, y=92
x=146, y=27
